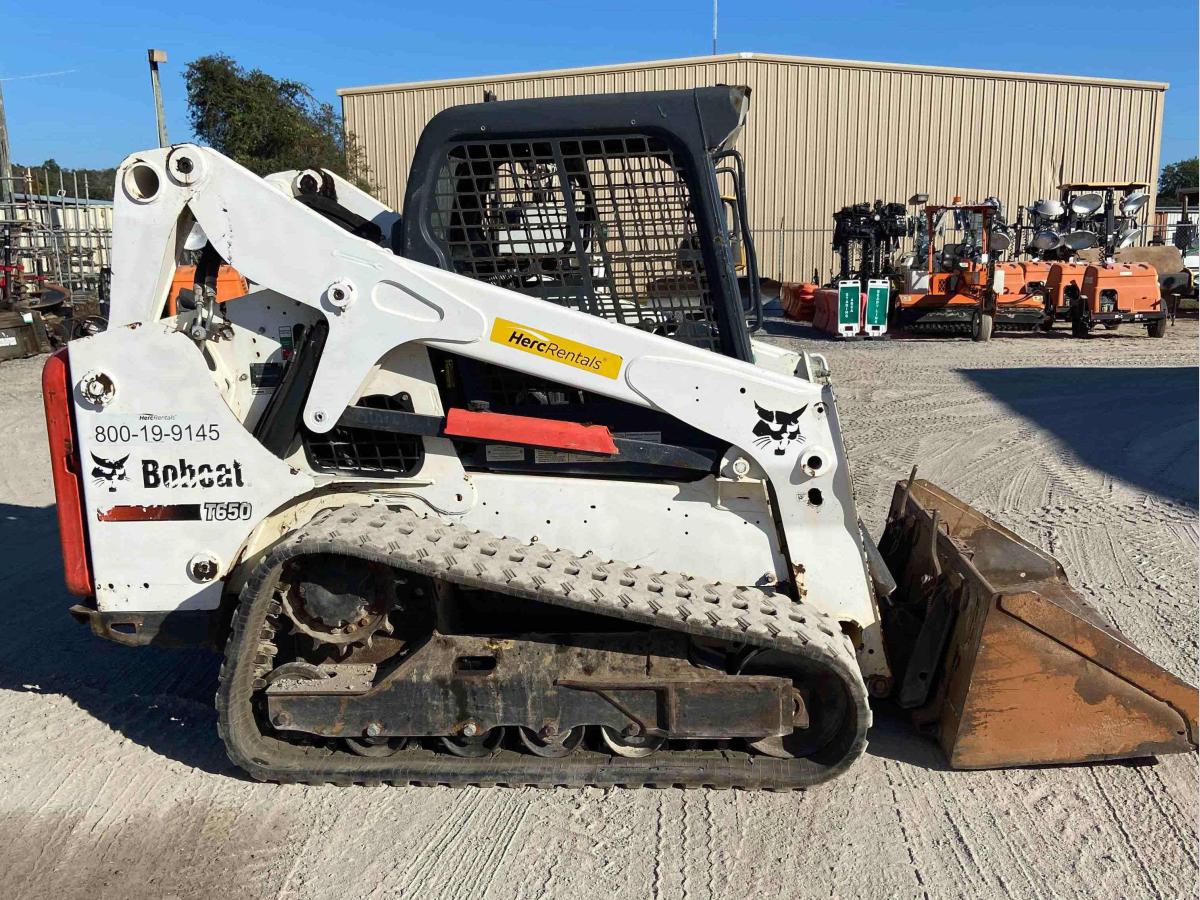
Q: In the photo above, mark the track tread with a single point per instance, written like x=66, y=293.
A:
x=446, y=550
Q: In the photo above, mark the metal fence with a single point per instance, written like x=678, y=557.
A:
x=55, y=232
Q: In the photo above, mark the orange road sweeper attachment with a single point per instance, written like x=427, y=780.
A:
x=998, y=657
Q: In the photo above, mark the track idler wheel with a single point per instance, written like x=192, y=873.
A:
x=821, y=707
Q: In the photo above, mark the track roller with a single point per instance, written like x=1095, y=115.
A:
x=473, y=747
x=376, y=747
x=630, y=747
x=551, y=746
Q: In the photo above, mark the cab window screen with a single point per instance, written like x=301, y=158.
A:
x=603, y=225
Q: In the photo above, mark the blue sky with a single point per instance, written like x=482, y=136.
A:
x=100, y=110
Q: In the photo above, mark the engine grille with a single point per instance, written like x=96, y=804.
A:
x=603, y=225
x=361, y=451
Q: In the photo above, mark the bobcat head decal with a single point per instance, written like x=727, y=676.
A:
x=778, y=427
x=109, y=471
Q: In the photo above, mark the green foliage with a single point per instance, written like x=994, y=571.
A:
x=99, y=182
x=267, y=124
x=1176, y=176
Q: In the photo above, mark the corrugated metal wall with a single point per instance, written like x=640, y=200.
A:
x=826, y=133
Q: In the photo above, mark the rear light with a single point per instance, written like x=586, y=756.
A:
x=64, y=464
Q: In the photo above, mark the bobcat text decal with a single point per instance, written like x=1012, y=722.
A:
x=184, y=474
x=778, y=427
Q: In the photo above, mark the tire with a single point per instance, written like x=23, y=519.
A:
x=1111, y=326
x=87, y=326
x=1079, y=326
x=1157, y=328
x=981, y=327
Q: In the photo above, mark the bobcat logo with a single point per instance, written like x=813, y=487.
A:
x=109, y=471
x=777, y=427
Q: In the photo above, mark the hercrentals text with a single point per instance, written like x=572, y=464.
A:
x=553, y=349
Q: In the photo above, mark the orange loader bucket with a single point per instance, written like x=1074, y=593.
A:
x=997, y=655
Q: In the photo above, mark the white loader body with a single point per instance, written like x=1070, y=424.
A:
x=782, y=507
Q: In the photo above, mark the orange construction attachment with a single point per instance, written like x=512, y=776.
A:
x=996, y=654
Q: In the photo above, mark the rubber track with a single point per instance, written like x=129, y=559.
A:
x=440, y=549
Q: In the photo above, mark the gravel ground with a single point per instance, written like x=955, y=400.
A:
x=113, y=782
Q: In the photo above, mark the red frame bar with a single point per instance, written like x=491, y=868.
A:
x=529, y=431
x=64, y=466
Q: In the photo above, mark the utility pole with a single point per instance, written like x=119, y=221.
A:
x=714, y=53
x=5, y=162
x=156, y=57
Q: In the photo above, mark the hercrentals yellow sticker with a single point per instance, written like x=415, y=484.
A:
x=559, y=349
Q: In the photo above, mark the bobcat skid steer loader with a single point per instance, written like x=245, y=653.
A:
x=463, y=502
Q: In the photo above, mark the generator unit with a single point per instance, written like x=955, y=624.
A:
x=1116, y=293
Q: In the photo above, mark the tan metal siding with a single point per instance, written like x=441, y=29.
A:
x=826, y=133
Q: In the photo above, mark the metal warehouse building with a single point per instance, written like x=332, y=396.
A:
x=824, y=133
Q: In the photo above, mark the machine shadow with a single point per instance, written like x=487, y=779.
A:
x=893, y=736
x=158, y=698
x=777, y=325
x=1138, y=425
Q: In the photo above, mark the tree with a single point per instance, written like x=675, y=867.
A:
x=46, y=180
x=1176, y=176
x=267, y=124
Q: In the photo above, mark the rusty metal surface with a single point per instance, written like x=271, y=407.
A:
x=1027, y=673
x=622, y=681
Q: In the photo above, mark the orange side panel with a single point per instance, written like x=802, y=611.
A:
x=1135, y=286
x=230, y=285
x=1061, y=277
x=1036, y=271
x=1023, y=284
x=936, y=300
x=1014, y=280
x=939, y=282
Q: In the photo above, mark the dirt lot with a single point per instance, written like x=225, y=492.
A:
x=113, y=782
